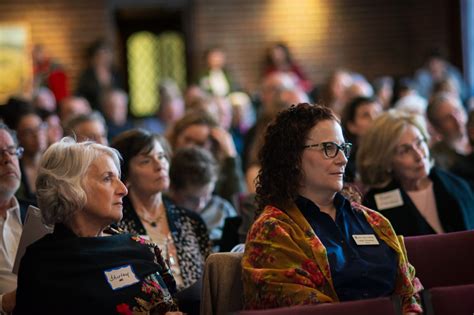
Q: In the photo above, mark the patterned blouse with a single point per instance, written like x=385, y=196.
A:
x=189, y=232
x=286, y=264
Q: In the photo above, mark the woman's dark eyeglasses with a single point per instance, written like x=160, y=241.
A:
x=18, y=151
x=331, y=149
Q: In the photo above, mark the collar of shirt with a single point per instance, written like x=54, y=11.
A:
x=308, y=208
x=10, y=233
x=13, y=210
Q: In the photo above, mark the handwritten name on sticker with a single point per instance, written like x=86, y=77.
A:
x=121, y=277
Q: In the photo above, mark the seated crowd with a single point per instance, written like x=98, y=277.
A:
x=319, y=182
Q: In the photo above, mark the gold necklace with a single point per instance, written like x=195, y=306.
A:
x=152, y=223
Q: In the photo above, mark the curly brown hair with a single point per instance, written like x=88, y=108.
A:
x=281, y=174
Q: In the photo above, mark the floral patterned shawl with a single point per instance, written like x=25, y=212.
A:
x=286, y=264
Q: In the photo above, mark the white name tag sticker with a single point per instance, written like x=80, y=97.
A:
x=121, y=277
x=389, y=199
x=365, y=239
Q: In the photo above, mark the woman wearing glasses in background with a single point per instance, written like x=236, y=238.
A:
x=394, y=162
x=310, y=244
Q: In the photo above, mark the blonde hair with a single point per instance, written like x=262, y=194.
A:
x=377, y=147
x=59, y=188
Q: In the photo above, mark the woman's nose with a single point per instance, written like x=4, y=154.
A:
x=341, y=158
x=123, y=191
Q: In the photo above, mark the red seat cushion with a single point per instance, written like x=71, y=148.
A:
x=380, y=306
x=442, y=259
x=453, y=300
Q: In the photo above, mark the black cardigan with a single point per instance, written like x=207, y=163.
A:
x=454, y=200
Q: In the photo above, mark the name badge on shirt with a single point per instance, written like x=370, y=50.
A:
x=389, y=199
x=121, y=277
x=365, y=239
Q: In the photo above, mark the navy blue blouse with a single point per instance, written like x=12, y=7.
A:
x=358, y=271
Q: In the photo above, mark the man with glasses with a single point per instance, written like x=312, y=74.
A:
x=11, y=215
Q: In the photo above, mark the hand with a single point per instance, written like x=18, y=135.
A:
x=225, y=141
x=9, y=301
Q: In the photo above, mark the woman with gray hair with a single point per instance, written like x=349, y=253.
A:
x=394, y=161
x=76, y=269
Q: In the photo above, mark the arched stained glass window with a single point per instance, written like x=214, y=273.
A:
x=151, y=59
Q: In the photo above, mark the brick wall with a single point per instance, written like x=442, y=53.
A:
x=64, y=27
x=374, y=37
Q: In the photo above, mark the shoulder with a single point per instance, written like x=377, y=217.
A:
x=223, y=205
x=270, y=220
x=375, y=218
x=448, y=177
x=182, y=214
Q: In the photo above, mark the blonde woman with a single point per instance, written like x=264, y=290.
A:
x=394, y=161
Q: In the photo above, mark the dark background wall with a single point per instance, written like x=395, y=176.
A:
x=374, y=37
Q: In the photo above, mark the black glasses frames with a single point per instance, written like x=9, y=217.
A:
x=331, y=149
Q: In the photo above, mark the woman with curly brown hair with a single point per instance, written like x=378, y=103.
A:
x=310, y=244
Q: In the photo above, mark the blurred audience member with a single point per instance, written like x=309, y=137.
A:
x=394, y=161
x=279, y=59
x=192, y=94
x=408, y=98
x=32, y=136
x=88, y=127
x=170, y=110
x=193, y=176
x=383, y=91
x=464, y=167
x=243, y=117
x=55, y=130
x=272, y=86
x=216, y=79
x=199, y=128
x=446, y=114
x=357, y=119
x=100, y=73
x=73, y=106
x=335, y=91
x=282, y=97
x=43, y=99
x=360, y=87
x=48, y=73
x=114, y=105
x=437, y=69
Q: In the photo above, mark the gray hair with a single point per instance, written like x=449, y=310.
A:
x=11, y=132
x=72, y=124
x=439, y=99
x=59, y=187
